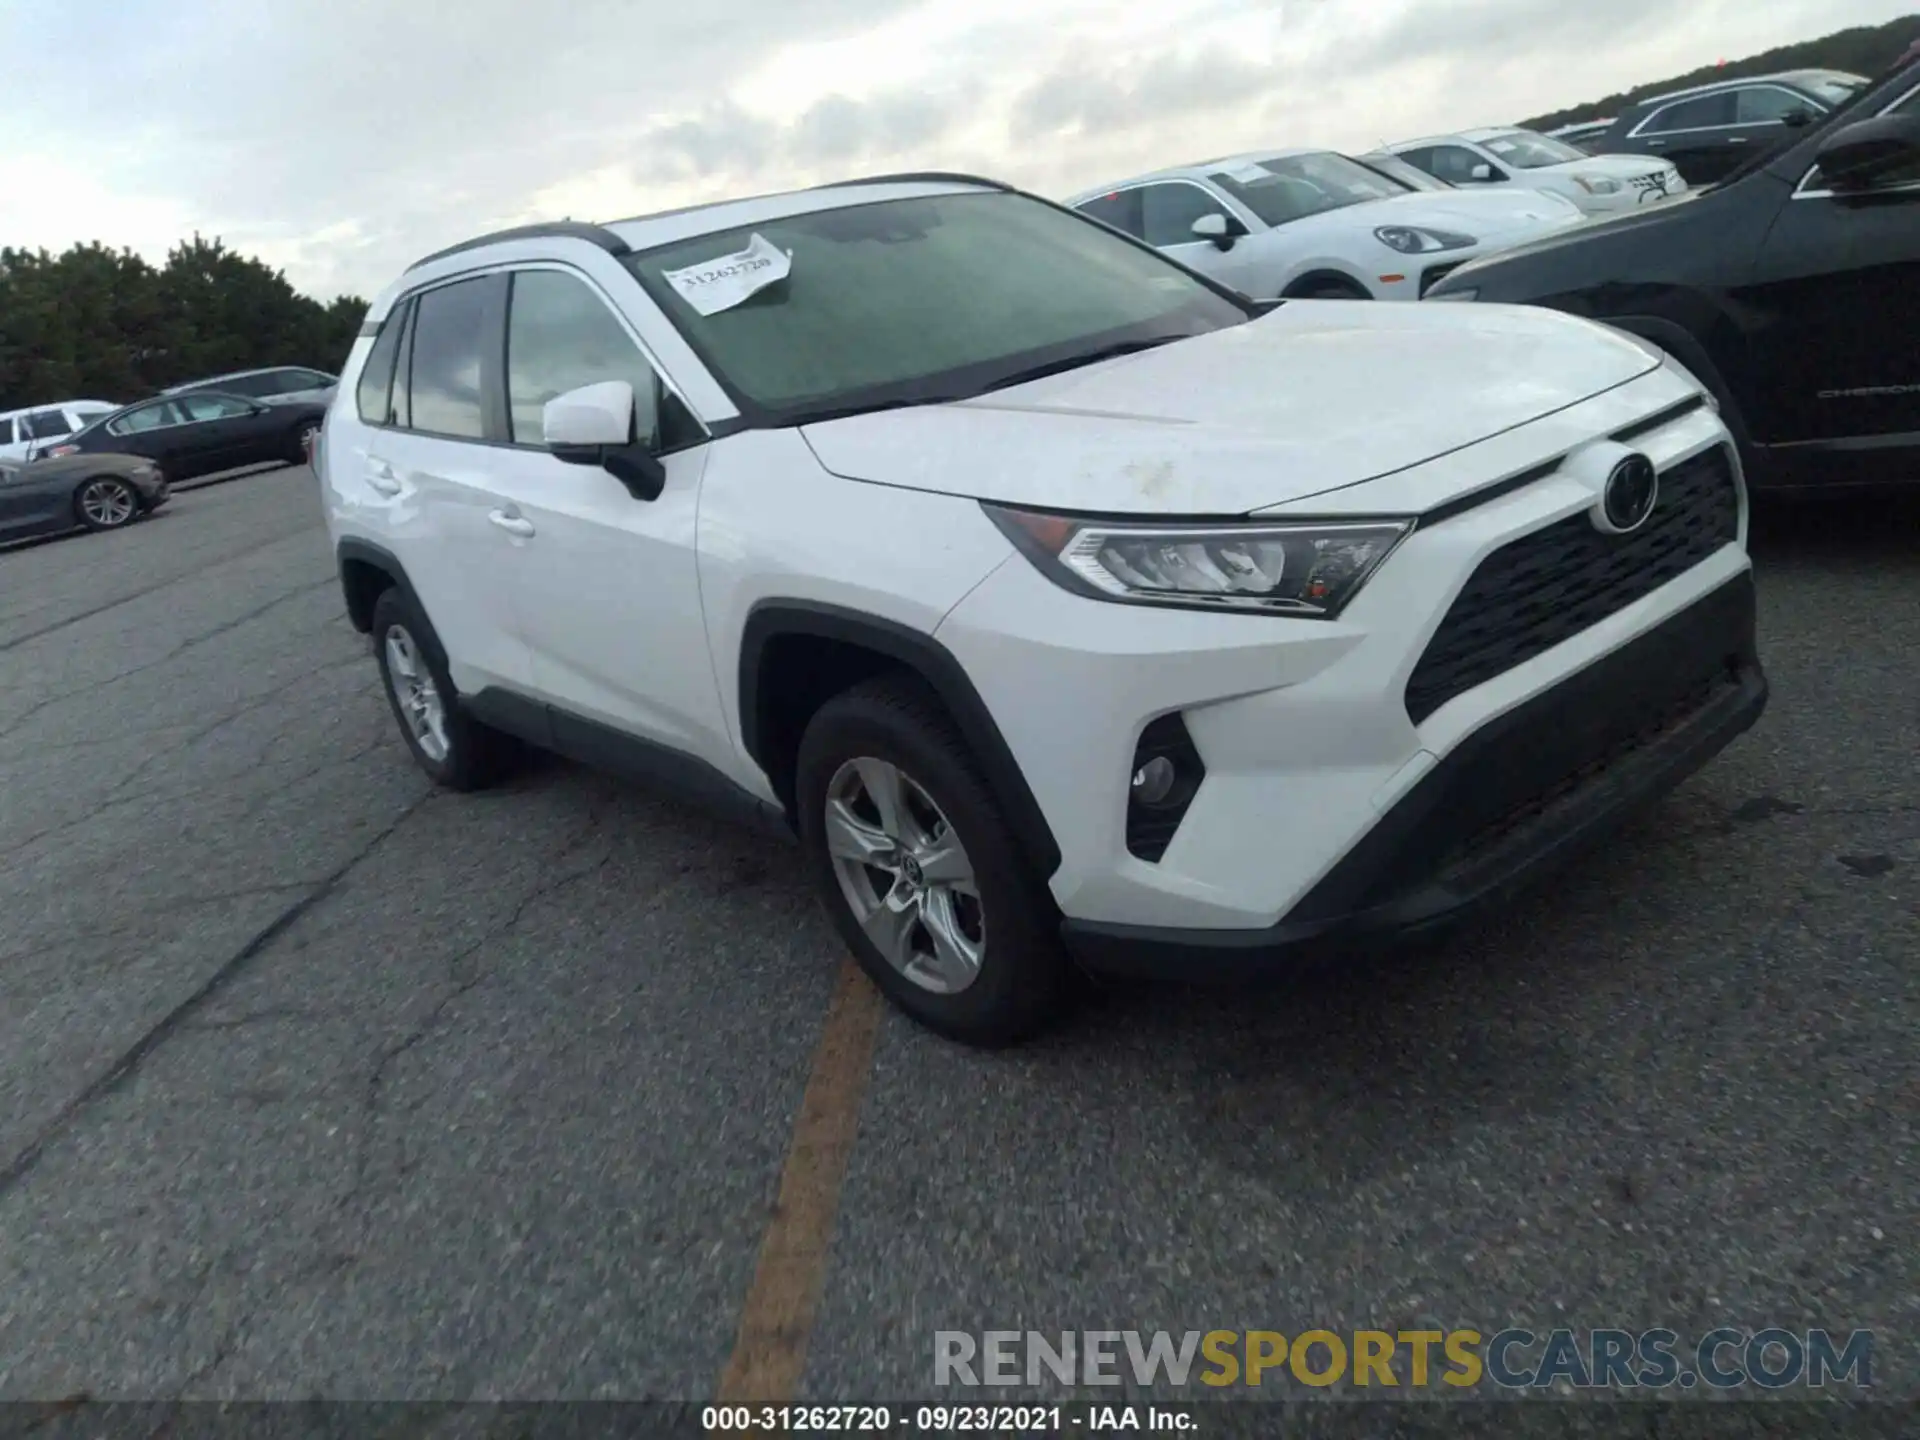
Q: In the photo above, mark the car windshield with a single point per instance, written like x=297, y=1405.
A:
x=1385, y=162
x=1525, y=150
x=1835, y=87
x=1286, y=188
x=913, y=301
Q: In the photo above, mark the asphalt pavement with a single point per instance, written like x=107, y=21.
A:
x=314, y=1081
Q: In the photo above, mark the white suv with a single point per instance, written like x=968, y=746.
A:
x=1067, y=605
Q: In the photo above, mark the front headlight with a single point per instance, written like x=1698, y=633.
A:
x=1468, y=292
x=1418, y=240
x=1308, y=570
x=1597, y=184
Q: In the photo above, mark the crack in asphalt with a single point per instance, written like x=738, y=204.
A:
x=117, y=1074
x=192, y=642
x=151, y=911
x=250, y=706
x=198, y=572
x=459, y=984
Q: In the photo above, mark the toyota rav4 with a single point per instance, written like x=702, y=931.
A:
x=1073, y=611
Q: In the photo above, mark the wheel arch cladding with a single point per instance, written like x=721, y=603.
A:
x=365, y=571
x=797, y=655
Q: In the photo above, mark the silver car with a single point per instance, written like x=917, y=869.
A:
x=272, y=387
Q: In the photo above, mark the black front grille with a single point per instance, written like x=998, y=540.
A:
x=1534, y=592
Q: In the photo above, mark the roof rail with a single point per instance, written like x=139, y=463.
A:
x=910, y=177
x=552, y=230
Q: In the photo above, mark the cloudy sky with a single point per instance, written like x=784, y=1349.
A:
x=340, y=139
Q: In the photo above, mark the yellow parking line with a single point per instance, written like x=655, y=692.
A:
x=776, y=1321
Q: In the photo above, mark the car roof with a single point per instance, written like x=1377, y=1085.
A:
x=235, y=375
x=100, y=405
x=1199, y=169
x=638, y=233
x=1802, y=78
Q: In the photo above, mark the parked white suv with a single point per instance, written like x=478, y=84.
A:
x=1316, y=225
x=1507, y=158
x=25, y=434
x=1064, y=603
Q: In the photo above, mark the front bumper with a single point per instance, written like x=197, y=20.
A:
x=1522, y=795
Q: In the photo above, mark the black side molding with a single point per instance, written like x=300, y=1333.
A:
x=656, y=766
x=770, y=620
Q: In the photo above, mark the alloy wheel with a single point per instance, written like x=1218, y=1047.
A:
x=905, y=875
x=419, y=695
x=107, y=503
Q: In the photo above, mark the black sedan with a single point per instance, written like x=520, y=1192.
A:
x=99, y=492
x=197, y=434
x=1792, y=290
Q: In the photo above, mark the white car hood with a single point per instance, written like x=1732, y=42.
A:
x=1318, y=395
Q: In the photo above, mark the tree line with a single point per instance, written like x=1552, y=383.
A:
x=94, y=323
x=1864, y=50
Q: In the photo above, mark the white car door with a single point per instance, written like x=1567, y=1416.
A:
x=608, y=585
x=430, y=489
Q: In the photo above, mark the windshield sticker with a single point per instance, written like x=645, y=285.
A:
x=730, y=280
x=1249, y=174
x=1502, y=147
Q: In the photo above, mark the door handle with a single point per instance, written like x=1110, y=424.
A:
x=1736, y=139
x=512, y=524
x=380, y=477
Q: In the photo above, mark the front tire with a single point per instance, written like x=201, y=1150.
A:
x=106, y=503
x=454, y=749
x=920, y=871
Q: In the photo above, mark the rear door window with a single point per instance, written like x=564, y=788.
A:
x=45, y=424
x=444, y=380
x=147, y=417
x=374, y=394
x=1703, y=112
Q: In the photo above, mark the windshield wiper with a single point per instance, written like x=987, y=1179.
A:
x=1085, y=357
x=1018, y=377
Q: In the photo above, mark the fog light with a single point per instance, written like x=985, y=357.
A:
x=1166, y=772
x=1153, y=781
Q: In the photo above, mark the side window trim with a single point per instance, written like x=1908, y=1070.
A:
x=1733, y=92
x=660, y=375
x=493, y=370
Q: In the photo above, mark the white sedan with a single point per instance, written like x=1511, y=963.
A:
x=1507, y=159
x=1315, y=224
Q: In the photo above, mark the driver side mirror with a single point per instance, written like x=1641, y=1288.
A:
x=1869, y=153
x=1219, y=229
x=1797, y=119
x=1482, y=172
x=594, y=425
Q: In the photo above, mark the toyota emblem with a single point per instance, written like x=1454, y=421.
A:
x=1628, y=497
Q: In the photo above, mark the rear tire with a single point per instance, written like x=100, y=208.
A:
x=106, y=503
x=454, y=749
x=926, y=884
